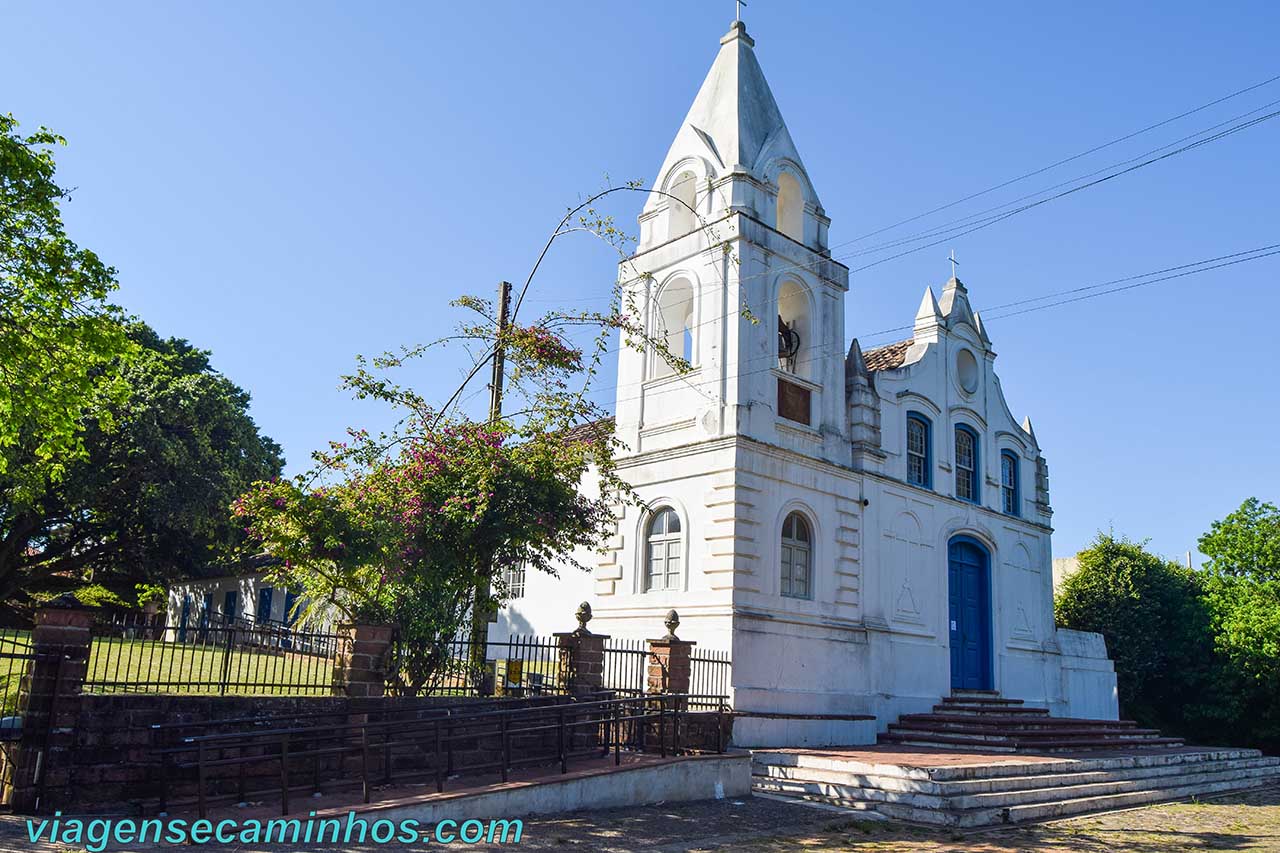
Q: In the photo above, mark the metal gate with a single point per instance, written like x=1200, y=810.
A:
x=16, y=657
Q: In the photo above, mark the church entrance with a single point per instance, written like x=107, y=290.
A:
x=969, y=606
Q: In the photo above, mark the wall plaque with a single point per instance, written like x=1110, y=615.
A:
x=794, y=402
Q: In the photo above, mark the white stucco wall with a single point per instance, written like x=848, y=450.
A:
x=247, y=589
x=874, y=635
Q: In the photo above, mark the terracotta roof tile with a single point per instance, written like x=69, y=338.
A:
x=887, y=357
x=589, y=430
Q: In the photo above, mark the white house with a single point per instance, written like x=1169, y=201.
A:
x=864, y=530
x=222, y=600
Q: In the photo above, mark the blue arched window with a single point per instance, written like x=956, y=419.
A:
x=919, y=450
x=1009, y=496
x=967, y=464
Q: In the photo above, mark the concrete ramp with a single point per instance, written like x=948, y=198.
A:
x=598, y=784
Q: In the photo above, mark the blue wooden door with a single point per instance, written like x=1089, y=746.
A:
x=969, y=605
x=263, y=614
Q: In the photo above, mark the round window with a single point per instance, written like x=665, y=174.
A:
x=967, y=370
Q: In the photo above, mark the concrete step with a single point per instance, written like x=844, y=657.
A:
x=1084, y=805
x=986, y=697
x=971, y=708
x=995, y=743
x=1014, y=721
x=1026, y=804
x=999, y=769
x=891, y=779
x=931, y=741
x=996, y=800
x=1025, y=813
x=1080, y=790
x=1047, y=728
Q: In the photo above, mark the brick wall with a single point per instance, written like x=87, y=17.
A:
x=115, y=762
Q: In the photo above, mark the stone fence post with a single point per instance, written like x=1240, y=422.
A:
x=360, y=667
x=49, y=704
x=581, y=656
x=670, y=660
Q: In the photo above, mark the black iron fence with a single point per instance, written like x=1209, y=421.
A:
x=15, y=656
x=527, y=665
x=433, y=746
x=710, y=672
x=626, y=666
x=520, y=665
x=136, y=653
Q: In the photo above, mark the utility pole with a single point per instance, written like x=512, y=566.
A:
x=481, y=614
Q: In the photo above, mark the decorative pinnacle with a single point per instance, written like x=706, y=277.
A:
x=672, y=622
x=584, y=616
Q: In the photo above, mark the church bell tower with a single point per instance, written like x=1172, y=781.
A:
x=733, y=273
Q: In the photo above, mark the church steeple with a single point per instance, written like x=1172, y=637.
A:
x=734, y=221
x=734, y=129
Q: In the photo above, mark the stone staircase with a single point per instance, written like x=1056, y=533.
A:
x=983, y=791
x=983, y=720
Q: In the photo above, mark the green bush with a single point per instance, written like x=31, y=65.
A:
x=1197, y=653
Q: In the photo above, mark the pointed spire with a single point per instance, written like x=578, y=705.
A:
x=1028, y=429
x=982, y=330
x=734, y=121
x=854, y=363
x=929, y=317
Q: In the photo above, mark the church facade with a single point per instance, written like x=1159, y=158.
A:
x=864, y=530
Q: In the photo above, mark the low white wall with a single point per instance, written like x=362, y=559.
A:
x=758, y=732
x=703, y=777
x=1088, y=676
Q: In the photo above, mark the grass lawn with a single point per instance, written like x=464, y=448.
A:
x=157, y=666
x=201, y=665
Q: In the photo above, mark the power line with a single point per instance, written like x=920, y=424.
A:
x=969, y=219
x=1133, y=168
x=1024, y=176
x=971, y=225
x=1128, y=283
x=1061, y=162
x=994, y=308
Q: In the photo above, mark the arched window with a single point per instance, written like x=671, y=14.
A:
x=790, y=207
x=682, y=218
x=966, y=464
x=674, y=324
x=662, y=550
x=919, y=450
x=1009, y=483
x=795, y=336
x=797, y=557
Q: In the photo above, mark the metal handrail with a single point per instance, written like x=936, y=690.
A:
x=437, y=734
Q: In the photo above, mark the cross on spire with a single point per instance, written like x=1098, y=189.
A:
x=737, y=16
x=954, y=263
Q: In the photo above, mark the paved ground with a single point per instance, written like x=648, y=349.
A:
x=1249, y=822
x=1246, y=822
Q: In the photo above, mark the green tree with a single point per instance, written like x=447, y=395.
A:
x=148, y=500
x=1242, y=590
x=404, y=527
x=59, y=339
x=1246, y=543
x=1158, y=633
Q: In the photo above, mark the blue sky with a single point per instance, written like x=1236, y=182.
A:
x=290, y=184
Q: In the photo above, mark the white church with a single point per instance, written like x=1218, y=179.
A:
x=864, y=530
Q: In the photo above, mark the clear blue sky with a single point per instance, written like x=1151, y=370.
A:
x=290, y=184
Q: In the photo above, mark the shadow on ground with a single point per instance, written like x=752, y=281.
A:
x=1244, y=822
